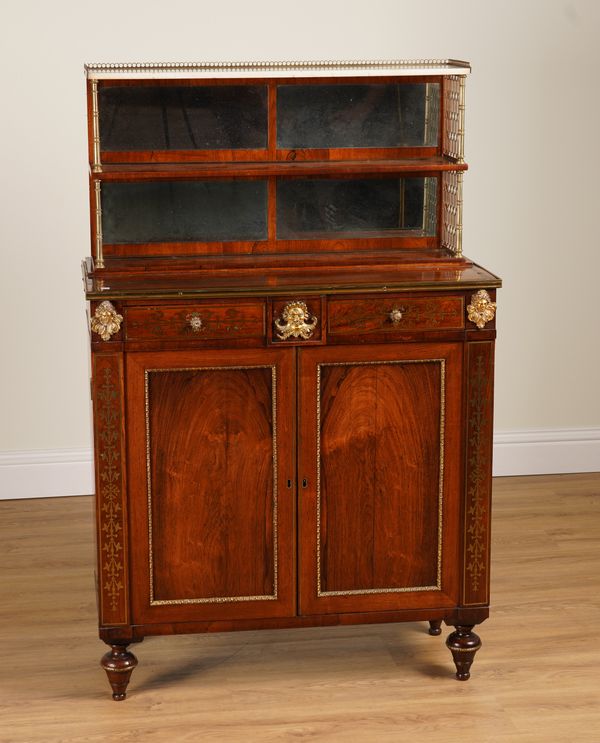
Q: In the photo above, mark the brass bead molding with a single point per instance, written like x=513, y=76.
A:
x=295, y=321
x=481, y=310
x=106, y=321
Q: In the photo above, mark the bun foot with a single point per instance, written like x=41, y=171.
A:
x=435, y=627
x=463, y=644
x=119, y=664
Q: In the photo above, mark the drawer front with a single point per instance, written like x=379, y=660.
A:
x=297, y=320
x=197, y=321
x=394, y=314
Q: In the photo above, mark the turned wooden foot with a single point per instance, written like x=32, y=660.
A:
x=435, y=627
x=463, y=644
x=118, y=664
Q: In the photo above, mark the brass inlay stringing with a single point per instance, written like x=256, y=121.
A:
x=481, y=310
x=295, y=321
x=98, y=203
x=109, y=464
x=96, y=164
x=212, y=599
x=479, y=427
x=406, y=589
x=106, y=321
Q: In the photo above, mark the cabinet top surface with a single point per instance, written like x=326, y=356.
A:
x=365, y=279
x=348, y=68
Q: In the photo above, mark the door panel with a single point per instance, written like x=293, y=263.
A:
x=210, y=506
x=379, y=514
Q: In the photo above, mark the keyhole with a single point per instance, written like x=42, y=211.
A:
x=304, y=483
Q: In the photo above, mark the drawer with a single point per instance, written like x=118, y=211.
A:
x=297, y=320
x=394, y=314
x=196, y=321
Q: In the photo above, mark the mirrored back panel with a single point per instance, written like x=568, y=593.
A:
x=356, y=207
x=182, y=117
x=184, y=211
x=191, y=121
x=323, y=116
x=267, y=214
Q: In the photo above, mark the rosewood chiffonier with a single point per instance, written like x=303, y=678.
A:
x=292, y=360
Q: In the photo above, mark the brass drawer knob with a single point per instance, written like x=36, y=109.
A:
x=195, y=322
x=295, y=321
x=396, y=315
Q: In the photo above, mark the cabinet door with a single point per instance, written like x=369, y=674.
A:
x=210, y=468
x=379, y=464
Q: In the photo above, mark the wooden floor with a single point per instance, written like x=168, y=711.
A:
x=537, y=678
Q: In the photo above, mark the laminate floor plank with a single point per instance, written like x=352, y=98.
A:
x=534, y=681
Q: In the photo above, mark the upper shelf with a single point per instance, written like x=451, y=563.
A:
x=204, y=70
x=183, y=171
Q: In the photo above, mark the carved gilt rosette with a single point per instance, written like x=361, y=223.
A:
x=295, y=321
x=481, y=310
x=106, y=321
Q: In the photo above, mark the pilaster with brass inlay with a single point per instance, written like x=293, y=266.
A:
x=478, y=479
x=111, y=509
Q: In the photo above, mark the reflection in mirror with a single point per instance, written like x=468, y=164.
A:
x=184, y=211
x=331, y=116
x=182, y=117
x=374, y=207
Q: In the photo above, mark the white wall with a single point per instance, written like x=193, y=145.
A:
x=530, y=213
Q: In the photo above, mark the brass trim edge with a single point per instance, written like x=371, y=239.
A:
x=215, y=599
x=99, y=263
x=99, y=70
x=96, y=164
x=461, y=118
x=459, y=214
x=464, y=650
x=405, y=589
x=296, y=289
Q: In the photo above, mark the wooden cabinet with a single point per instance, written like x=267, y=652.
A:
x=292, y=361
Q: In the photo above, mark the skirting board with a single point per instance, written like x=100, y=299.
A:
x=546, y=451
x=50, y=473
x=46, y=473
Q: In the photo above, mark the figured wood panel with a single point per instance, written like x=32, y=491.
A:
x=212, y=479
x=379, y=524
x=214, y=536
x=212, y=321
x=381, y=427
x=373, y=314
